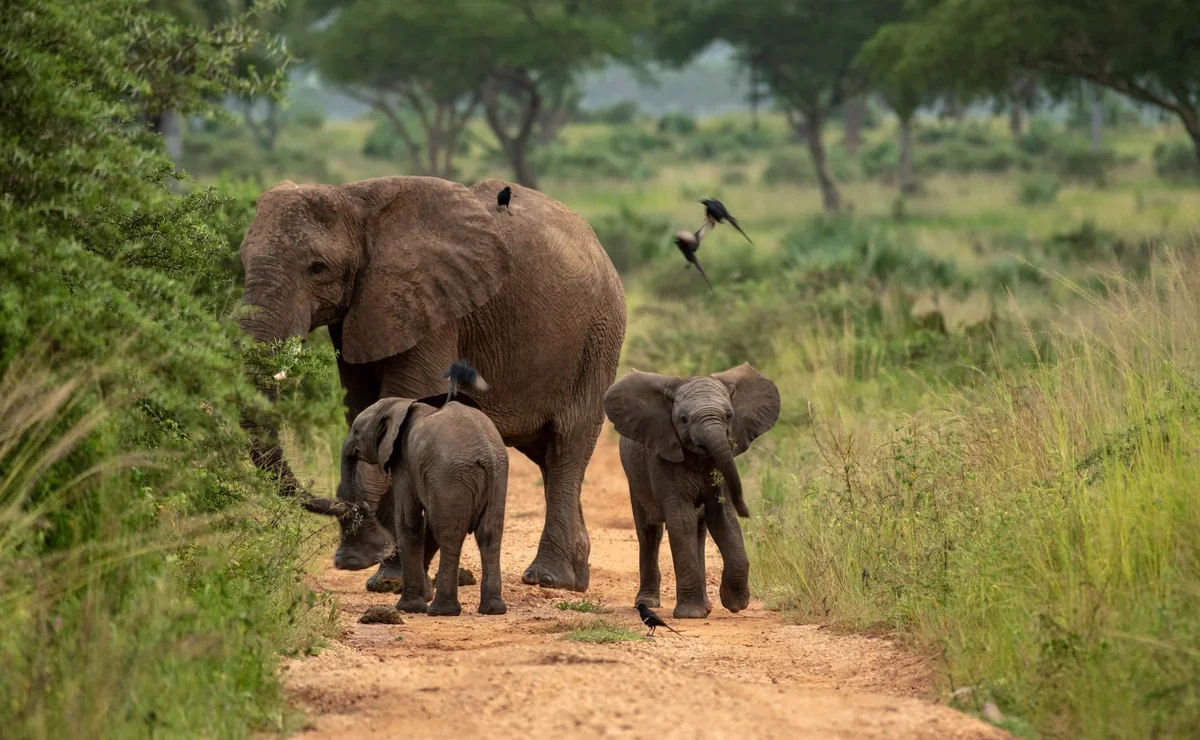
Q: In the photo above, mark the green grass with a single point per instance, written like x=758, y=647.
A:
x=582, y=605
x=601, y=632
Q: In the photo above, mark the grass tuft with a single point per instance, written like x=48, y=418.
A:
x=582, y=605
x=600, y=631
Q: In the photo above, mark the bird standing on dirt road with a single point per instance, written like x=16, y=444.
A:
x=715, y=213
x=503, y=198
x=688, y=243
x=462, y=374
x=652, y=620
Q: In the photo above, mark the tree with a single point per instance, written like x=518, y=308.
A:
x=392, y=55
x=804, y=49
x=1148, y=50
x=535, y=51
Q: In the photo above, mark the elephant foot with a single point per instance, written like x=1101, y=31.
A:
x=735, y=598
x=695, y=610
x=387, y=580
x=550, y=573
x=494, y=605
x=649, y=598
x=445, y=608
x=412, y=606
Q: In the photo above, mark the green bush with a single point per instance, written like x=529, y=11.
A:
x=1039, y=190
x=617, y=114
x=1075, y=160
x=789, y=166
x=307, y=117
x=880, y=159
x=632, y=239
x=676, y=123
x=149, y=576
x=1176, y=160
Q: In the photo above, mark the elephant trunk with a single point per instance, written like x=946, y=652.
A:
x=265, y=452
x=715, y=438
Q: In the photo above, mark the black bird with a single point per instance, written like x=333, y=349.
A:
x=715, y=213
x=652, y=620
x=462, y=374
x=688, y=243
x=503, y=198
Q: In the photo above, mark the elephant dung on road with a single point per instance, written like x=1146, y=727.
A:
x=413, y=273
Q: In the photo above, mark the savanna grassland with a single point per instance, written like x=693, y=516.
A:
x=990, y=420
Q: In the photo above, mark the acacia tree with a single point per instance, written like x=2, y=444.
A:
x=1148, y=50
x=395, y=55
x=535, y=51
x=805, y=51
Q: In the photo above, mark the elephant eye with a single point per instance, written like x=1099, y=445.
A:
x=729, y=415
x=317, y=267
x=683, y=419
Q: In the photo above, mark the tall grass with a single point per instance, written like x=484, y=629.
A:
x=1039, y=530
x=151, y=622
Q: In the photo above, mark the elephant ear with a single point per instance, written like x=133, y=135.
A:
x=639, y=406
x=377, y=428
x=755, y=401
x=434, y=254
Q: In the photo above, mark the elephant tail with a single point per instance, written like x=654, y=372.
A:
x=462, y=375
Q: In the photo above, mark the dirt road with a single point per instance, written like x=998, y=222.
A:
x=745, y=675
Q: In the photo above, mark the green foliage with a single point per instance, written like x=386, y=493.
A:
x=1037, y=190
x=617, y=114
x=1039, y=533
x=1074, y=159
x=633, y=239
x=582, y=605
x=142, y=559
x=881, y=158
x=1156, y=64
x=602, y=632
x=676, y=123
x=1176, y=160
x=789, y=166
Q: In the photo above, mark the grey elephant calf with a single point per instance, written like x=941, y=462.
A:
x=676, y=435
x=449, y=478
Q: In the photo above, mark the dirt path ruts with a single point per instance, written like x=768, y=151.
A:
x=745, y=675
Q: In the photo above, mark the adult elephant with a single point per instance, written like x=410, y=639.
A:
x=413, y=273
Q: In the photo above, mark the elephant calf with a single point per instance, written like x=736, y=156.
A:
x=676, y=435
x=449, y=478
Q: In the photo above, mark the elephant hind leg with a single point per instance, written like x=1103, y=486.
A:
x=488, y=535
x=562, y=556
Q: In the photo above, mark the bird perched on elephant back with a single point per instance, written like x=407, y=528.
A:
x=679, y=438
x=413, y=273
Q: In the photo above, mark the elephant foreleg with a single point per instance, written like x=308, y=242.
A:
x=689, y=577
x=727, y=533
x=701, y=542
x=649, y=540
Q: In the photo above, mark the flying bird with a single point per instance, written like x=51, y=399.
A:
x=462, y=374
x=688, y=243
x=652, y=620
x=503, y=198
x=715, y=213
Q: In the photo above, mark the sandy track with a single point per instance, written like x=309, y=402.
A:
x=732, y=675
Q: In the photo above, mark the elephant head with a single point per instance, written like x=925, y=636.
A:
x=372, y=439
x=383, y=262
x=716, y=416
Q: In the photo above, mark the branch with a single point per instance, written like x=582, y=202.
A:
x=377, y=102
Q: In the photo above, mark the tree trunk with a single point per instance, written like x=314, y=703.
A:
x=1016, y=117
x=906, y=174
x=519, y=157
x=515, y=145
x=1097, y=112
x=854, y=113
x=813, y=126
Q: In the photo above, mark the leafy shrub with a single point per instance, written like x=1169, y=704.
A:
x=1038, y=190
x=728, y=143
x=1075, y=160
x=880, y=159
x=307, y=117
x=734, y=177
x=791, y=166
x=122, y=384
x=676, y=123
x=631, y=142
x=617, y=114
x=1176, y=160
x=632, y=239
x=1038, y=139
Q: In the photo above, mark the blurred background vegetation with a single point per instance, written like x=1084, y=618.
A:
x=974, y=279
